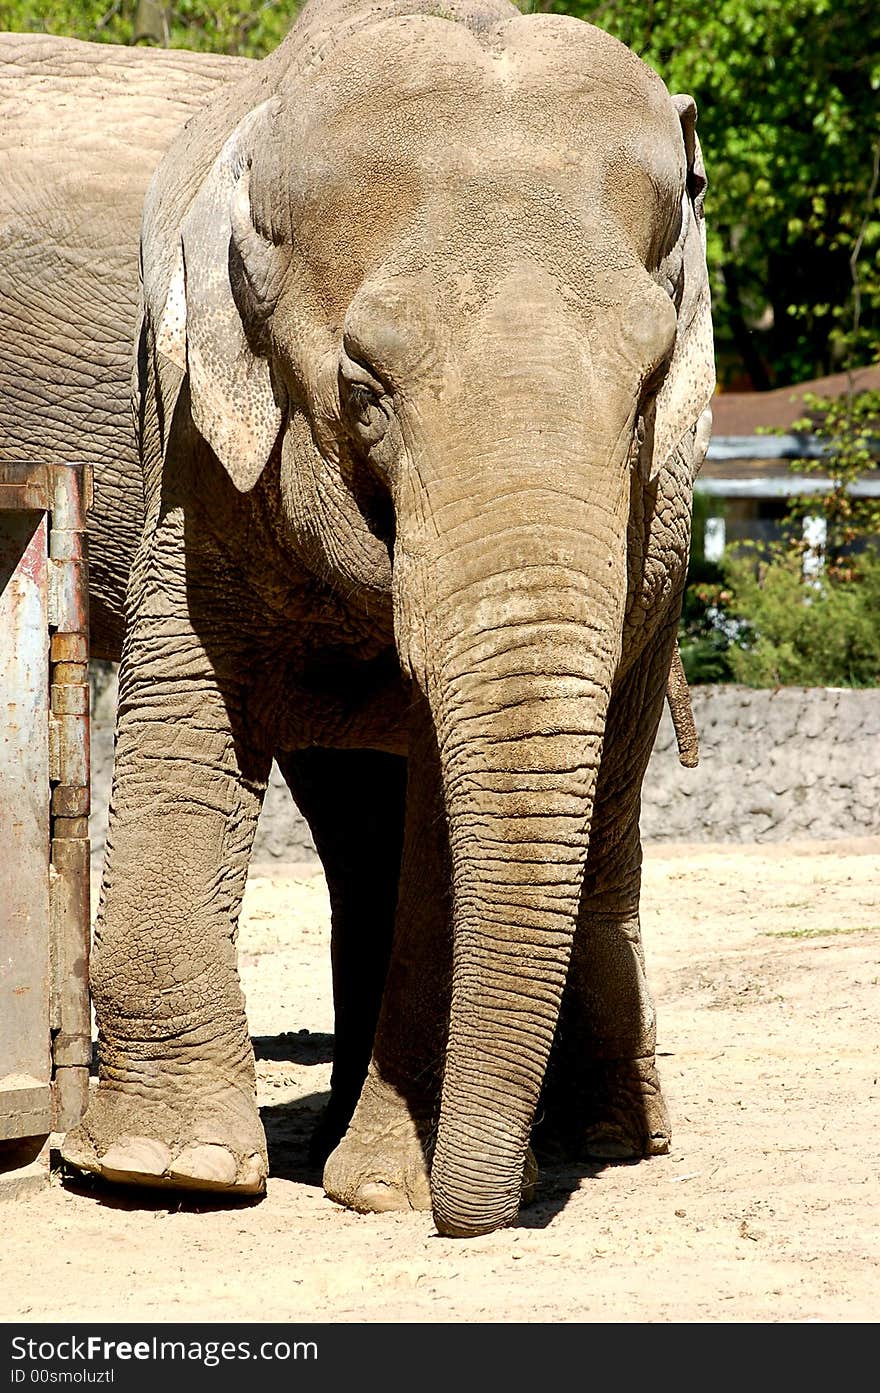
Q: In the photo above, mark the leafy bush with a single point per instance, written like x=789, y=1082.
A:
x=785, y=629
x=765, y=624
x=705, y=632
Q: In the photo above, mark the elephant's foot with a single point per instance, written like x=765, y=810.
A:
x=380, y=1164
x=619, y=1114
x=214, y=1142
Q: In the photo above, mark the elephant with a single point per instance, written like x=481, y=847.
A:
x=423, y=376
x=84, y=126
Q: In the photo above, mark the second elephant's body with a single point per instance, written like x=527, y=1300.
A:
x=83, y=128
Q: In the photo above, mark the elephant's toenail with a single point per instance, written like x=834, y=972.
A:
x=133, y=1156
x=376, y=1197
x=205, y=1162
x=252, y=1178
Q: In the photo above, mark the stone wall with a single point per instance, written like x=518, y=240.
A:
x=774, y=765
x=795, y=763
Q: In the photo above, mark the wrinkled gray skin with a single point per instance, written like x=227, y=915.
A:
x=83, y=128
x=423, y=376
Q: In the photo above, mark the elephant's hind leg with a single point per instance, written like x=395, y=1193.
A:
x=383, y=1161
x=354, y=802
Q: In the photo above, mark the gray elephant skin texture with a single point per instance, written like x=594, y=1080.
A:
x=423, y=377
x=83, y=128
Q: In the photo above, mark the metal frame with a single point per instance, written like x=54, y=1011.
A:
x=45, y=1013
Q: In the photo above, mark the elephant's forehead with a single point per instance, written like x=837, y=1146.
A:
x=547, y=94
x=420, y=141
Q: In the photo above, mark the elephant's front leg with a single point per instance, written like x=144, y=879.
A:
x=602, y=1095
x=175, y=1103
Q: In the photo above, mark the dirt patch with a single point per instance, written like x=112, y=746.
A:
x=764, y=961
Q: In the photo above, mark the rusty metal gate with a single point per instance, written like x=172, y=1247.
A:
x=45, y=1020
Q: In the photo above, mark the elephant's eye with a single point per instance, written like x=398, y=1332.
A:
x=361, y=398
x=654, y=380
x=364, y=401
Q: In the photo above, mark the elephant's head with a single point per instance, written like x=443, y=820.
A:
x=460, y=277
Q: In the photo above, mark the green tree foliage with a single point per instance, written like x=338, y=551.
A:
x=251, y=28
x=789, y=99
x=73, y=19
x=798, y=631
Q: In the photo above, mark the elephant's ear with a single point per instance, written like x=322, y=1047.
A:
x=235, y=404
x=683, y=402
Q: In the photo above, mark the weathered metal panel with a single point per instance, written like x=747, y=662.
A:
x=25, y=1060
x=45, y=1016
x=24, y=487
x=71, y=1006
x=70, y=861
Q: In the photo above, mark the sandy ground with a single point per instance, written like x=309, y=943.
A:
x=764, y=962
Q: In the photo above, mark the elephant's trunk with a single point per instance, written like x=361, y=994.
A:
x=531, y=651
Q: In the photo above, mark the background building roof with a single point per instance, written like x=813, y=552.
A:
x=743, y=413
x=742, y=463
